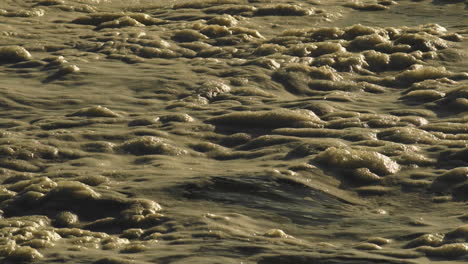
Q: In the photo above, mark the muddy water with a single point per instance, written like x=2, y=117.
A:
x=233, y=131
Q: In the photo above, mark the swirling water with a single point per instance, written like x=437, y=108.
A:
x=233, y=131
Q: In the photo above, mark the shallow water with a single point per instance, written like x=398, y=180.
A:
x=233, y=131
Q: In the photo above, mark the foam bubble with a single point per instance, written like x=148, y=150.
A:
x=14, y=54
x=348, y=158
x=95, y=111
x=265, y=119
x=276, y=233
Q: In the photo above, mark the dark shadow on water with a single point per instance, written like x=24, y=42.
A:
x=300, y=203
x=446, y=2
x=53, y=77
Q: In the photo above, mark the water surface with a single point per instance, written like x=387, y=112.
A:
x=229, y=131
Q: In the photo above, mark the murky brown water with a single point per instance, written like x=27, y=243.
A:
x=233, y=131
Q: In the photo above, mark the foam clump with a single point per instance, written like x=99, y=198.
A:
x=38, y=184
x=95, y=111
x=39, y=243
x=215, y=31
x=345, y=123
x=150, y=52
x=422, y=73
x=134, y=248
x=300, y=50
x=376, y=60
x=111, y=243
x=72, y=190
x=380, y=121
x=14, y=54
x=46, y=194
x=423, y=95
x=323, y=48
x=224, y=20
x=67, y=69
x=401, y=60
x=351, y=62
x=142, y=211
x=368, y=42
x=33, y=12
x=124, y=21
x=432, y=240
x=277, y=233
x=77, y=232
x=407, y=135
x=145, y=19
x=317, y=34
x=265, y=119
x=422, y=41
x=132, y=233
x=213, y=88
x=323, y=72
x=453, y=250
x=66, y=219
x=22, y=253
x=283, y=10
x=41, y=195
x=97, y=19
x=365, y=176
x=149, y=145
x=353, y=159
x=300, y=78
x=6, y=194
x=22, y=236
x=248, y=31
x=27, y=149
x=143, y=206
x=412, y=158
x=99, y=146
x=315, y=146
x=366, y=6
x=358, y=30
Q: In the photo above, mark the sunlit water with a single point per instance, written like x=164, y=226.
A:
x=233, y=131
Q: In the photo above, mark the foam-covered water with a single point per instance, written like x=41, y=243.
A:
x=222, y=131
